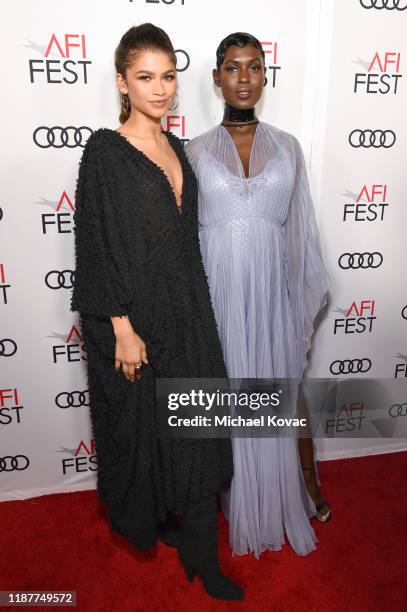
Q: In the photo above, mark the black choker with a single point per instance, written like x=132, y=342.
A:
x=239, y=116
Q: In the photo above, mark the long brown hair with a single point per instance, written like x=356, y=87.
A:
x=139, y=38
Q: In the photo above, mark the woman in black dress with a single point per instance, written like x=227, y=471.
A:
x=145, y=310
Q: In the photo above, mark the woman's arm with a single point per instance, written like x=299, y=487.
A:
x=99, y=287
x=306, y=273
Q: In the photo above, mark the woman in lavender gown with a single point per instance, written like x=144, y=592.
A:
x=262, y=256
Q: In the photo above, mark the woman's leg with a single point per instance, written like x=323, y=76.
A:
x=306, y=453
x=198, y=549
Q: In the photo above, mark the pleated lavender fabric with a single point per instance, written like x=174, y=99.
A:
x=261, y=251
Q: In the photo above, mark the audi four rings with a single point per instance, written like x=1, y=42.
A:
x=350, y=366
x=187, y=59
x=353, y=261
x=75, y=399
x=60, y=279
x=397, y=410
x=372, y=138
x=18, y=463
x=390, y=5
x=58, y=137
x=7, y=347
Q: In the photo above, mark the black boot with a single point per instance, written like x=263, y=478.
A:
x=198, y=550
x=169, y=532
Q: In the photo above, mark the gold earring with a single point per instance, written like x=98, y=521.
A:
x=125, y=102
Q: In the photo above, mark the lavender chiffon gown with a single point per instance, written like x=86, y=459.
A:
x=262, y=257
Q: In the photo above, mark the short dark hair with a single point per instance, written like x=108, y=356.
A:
x=241, y=39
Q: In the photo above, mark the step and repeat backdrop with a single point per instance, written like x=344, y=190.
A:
x=336, y=80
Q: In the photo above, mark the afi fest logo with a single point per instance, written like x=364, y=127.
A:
x=65, y=60
x=83, y=458
x=271, y=51
x=177, y=125
x=348, y=417
x=368, y=205
x=9, y=407
x=72, y=350
x=357, y=319
x=400, y=370
x=60, y=221
x=382, y=76
x=3, y=284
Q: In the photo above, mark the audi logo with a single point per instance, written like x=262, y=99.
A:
x=58, y=137
x=390, y=5
x=404, y=312
x=372, y=138
x=186, y=59
x=397, y=410
x=75, y=399
x=353, y=261
x=350, y=366
x=56, y=279
x=8, y=347
x=17, y=463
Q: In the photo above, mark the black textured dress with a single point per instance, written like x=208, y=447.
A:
x=137, y=255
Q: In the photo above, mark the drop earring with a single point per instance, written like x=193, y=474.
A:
x=173, y=106
x=125, y=102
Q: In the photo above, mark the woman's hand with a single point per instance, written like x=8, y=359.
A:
x=130, y=351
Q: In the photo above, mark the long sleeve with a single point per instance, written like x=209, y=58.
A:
x=99, y=287
x=306, y=272
x=192, y=151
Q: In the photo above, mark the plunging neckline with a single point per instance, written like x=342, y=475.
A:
x=161, y=170
x=244, y=177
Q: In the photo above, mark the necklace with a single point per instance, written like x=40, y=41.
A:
x=238, y=117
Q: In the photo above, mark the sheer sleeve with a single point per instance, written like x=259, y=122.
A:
x=193, y=150
x=99, y=287
x=306, y=272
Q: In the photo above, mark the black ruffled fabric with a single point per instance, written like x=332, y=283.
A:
x=137, y=255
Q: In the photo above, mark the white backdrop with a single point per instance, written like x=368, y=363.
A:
x=57, y=70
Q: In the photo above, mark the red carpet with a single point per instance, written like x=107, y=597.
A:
x=63, y=542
